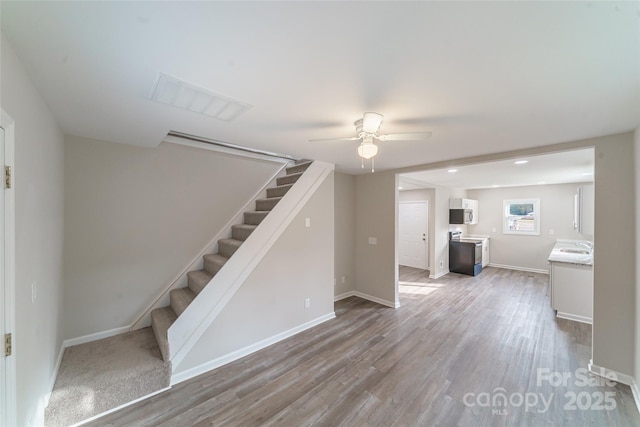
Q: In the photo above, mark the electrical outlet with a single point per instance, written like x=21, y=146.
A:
x=344, y=279
x=373, y=240
x=34, y=292
x=552, y=232
x=307, y=302
x=441, y=264
x=307, y=222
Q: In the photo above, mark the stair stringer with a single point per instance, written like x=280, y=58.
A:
x=185, y=332
x=180, y=281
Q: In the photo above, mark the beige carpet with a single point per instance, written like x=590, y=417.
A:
x=104, y=374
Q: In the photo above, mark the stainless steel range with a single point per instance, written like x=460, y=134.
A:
x=465, y=256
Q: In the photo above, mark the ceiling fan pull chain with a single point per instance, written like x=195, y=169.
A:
x=373, y=162
x=362, y=158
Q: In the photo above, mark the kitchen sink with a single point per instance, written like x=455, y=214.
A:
x=575, y=251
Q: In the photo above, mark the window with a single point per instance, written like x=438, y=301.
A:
x=521, y=216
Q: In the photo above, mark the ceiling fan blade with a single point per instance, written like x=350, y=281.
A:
x=335, y=139
x=405, y=136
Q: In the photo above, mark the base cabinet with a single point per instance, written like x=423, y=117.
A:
x=572, y=291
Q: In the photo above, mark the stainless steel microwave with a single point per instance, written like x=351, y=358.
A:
x=460, y=216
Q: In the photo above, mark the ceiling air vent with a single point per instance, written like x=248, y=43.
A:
x=178, y=93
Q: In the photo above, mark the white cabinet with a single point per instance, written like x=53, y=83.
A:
x=465, y=204
x=583, y=209
x=572, y=291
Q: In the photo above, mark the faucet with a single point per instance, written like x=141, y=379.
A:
x=587, y=245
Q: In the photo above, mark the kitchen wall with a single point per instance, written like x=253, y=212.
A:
x=344, y=233
x=556, y=216
x=136, y=217
x=614, y=269
x=39, y=226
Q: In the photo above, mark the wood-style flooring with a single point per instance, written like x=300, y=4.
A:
x=460, y=351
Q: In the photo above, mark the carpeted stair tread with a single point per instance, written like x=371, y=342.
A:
x=242, y=231
x=161, y=320
x=288, y=179
x=180, y=299
x=214, y=262
x=198, y=279
x=254, y=217
x=298, y=168
x=278, y=191
x=227, y=247
x=267, y=204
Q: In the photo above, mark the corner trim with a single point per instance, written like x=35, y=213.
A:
x=439, y=275
x=238, y=354
x=376, y=299
x=635, y=390
x=95, y=337
x=344, y=295
x=574, y=317
x=611, y=374
x=515, y=267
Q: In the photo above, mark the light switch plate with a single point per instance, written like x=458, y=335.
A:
x=373, y=241
x=307, y=222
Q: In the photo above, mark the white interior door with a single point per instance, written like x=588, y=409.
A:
x=3, y=374
x=7, y=274
x=413, y=231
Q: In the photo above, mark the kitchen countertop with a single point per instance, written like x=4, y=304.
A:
x=559, y=255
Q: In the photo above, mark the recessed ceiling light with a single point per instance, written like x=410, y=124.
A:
x=541, y=182
x=521, y=162
x=399, y=188
x=452, y=170
x=495, y=186
x=587, y=173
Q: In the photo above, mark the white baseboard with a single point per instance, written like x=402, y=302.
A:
x=228, y=358
x=95, y=337
x=376, y=299
x=574, y=317
x=117, y=408
x=611, y=374
x=439, y=275
x=515, y=267
x=344, y=296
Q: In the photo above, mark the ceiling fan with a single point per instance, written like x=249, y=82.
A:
x=367, y=130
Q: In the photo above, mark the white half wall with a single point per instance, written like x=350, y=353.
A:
x=556, y=206
x=39, y=195
x=271, y=301
x=135, y=217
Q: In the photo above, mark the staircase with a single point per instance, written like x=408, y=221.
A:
x=180, y=298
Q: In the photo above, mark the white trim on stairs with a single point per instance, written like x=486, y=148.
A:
x=198, y=316
x=238, y=354
x=144, y=319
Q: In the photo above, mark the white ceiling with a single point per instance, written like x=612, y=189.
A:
x=557, y=168
x=485, y=77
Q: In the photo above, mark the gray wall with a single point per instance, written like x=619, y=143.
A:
x=614, y=268
x=38, y=179
x=556, y=206
x=344, y=233
x=135, y=217
x=271, y=300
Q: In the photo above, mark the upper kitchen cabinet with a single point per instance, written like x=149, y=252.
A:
x=458, y=203
x=583, y=210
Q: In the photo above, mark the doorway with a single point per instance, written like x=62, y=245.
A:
x=413, y=230
x=7, y=277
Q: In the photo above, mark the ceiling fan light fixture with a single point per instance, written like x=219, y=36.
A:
x=367, y=150
x=371, y=122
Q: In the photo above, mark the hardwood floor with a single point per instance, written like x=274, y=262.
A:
x=444, y=358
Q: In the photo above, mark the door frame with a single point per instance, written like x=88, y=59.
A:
x=426, y=250
x=8, y=403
